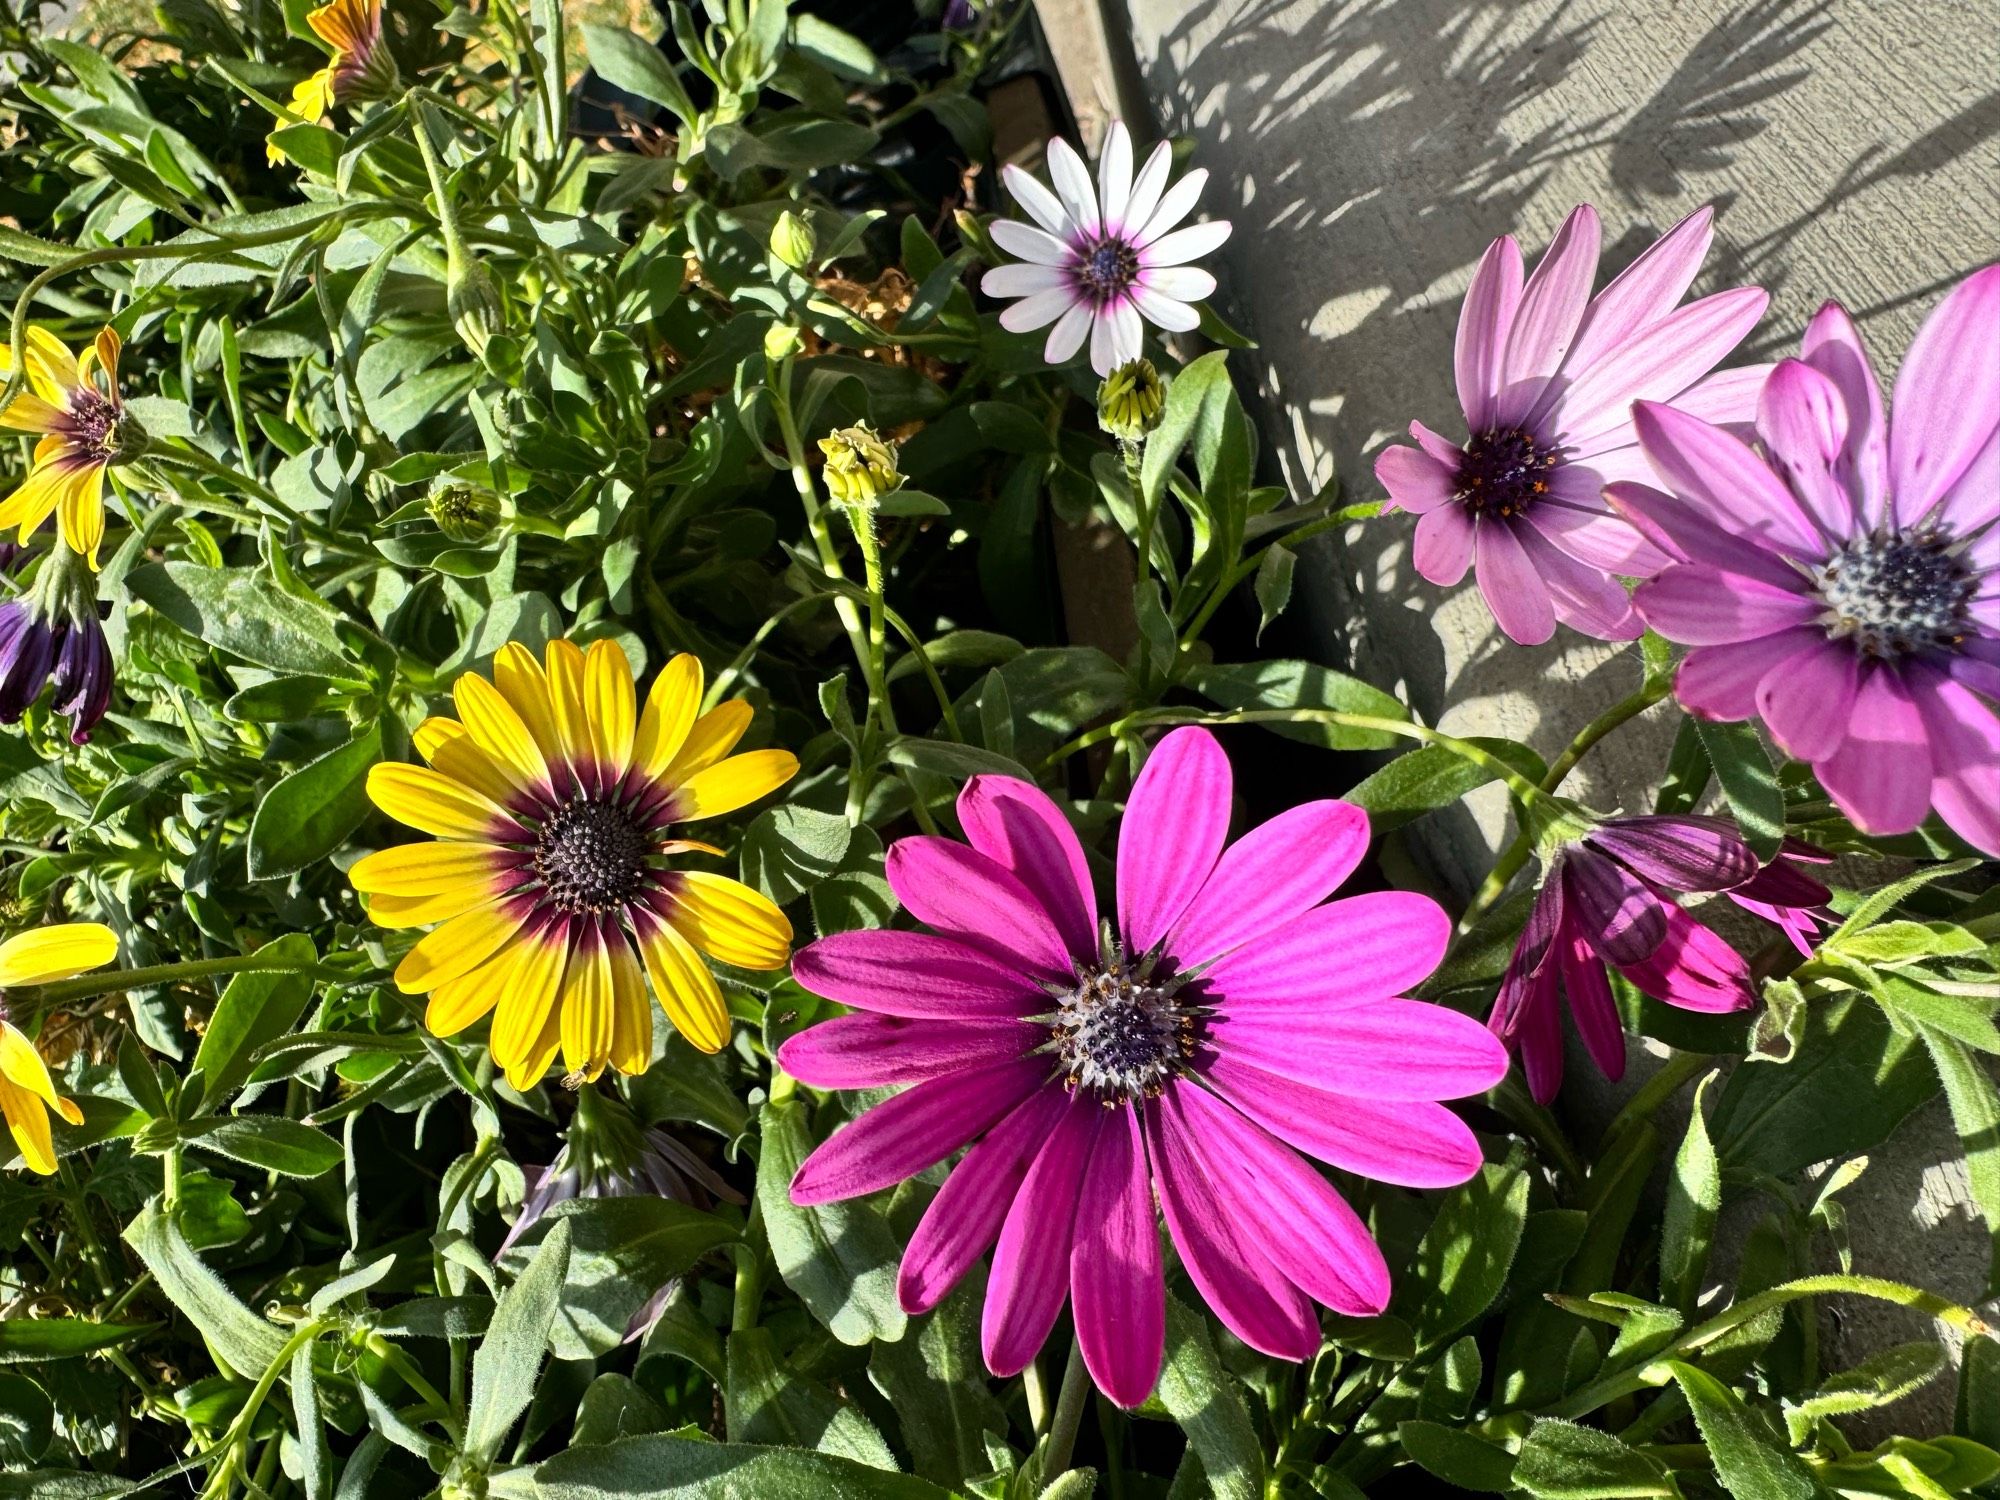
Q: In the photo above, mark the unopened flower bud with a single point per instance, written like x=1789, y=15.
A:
x=464, y=512
x=1131, y=400
x=781, y=340
x=860, y=466
x=472, y=298
x=793, y=240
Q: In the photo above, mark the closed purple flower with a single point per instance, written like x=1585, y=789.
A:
x=1843, y=583
x=1785, y=895
x=1547, y=375
x=71, y=645
x=1228, y=1018
x=1608, y=899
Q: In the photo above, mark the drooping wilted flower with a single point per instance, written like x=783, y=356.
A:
x=1225, y=1020
x=860, y=466
x=1104, y=256
x=1608, y=898
x=52, y=635
x=74, y=404
x=361, y=67
x=606, y=1153
x=27, y=1092
x=1844, y=584
x=1547, y=375
x=1131, y=401
x=556, y=798
x=1788, y=897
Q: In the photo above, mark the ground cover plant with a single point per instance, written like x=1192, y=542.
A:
x=555, y=778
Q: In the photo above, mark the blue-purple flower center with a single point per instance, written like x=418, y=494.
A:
x=591, y=856
x=1897, y=593
x=1106, y=270
x=1503, y=471
x=93, y=424
x=1119, y=1034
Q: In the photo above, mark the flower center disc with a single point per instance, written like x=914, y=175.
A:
x=1107, y=270
x=1502, y=471
x=1894, y=595
x=590, y=856
x=1119, y=1036
x=93, y=423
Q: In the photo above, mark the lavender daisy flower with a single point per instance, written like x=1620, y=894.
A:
x=1547, y=375
x=1106, y=255
x=1608, y=898
x=1228, y=1018
x=53, y=634
x=607, y=1154
x=1843, y=585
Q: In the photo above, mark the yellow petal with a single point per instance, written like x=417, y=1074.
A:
x=494, y=726
x=82, y=512
x=565, y=671
x=527, y=1009
x=631, y=1011
x=108, y=347
x=528, y=1070
x=27, y=412
x=24, y=1067
x=37, y=495
x=714, y=735
x=461, y=760
x=526, y=687
x=456, y=1004
x=52, y=368
x=434, y=734
x=733, y=783
x=587, y=1014
x=29, y=1121
x=421, y=911
x=730, y=922
x=341, y=25
x=426, y=800
x=686, y=990
x=459, y=947
x=427, y=869
x=49, y=953
x=669, y=714
x=610, y=708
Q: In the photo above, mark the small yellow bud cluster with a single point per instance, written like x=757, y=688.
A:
x=860, y=466
x=1131, y=400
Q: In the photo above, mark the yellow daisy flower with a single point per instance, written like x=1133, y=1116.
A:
x=361, y=66
x=27, y=1093
x=556, y=796
x=74, y=404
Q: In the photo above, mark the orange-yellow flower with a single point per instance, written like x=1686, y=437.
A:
x=361, y=66
x=74, y=404
x=557, y=799
x=27, y=1093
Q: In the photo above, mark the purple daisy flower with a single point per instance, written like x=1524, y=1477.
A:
x=1547, y=375
x=1608, y=899
x=1225, y=1021
x=1104, y=256
x=1843, y=585
x=66, y=647
x=1788, y=897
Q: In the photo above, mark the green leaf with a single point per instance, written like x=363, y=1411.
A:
x=1273, y=584
x=1430, y=777
x=1463, y=1260
x=1885, y=1376
x=1975, y=1111
x=310, y=813
x=1748, y=782
x=1565, y=1461
x=269, y=1141
x=623, y=1250
x=506, y=1361
x=632, y=63
x=315, y=1452
x=61, y=1338
x=242, y=1340
x=945, y=1407
x=613, y=1407
x=1694, y=1198
x=948, y=758
x=256, y=1008
x=773, y=1405
x=1448, y=1390
x=1978, y=1414
x=244, y=612
x=662, y=1467
x=1749, y=1460
x=1458, y=1457
x=1208, y=1404
x=1302, y=684
x=27, y=1421
x=840, y=1258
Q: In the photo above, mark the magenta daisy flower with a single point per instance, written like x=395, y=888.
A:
x=1608, y=898
x=1223, y=1022
x=1844, y=584
x=1547, y=375
x=1105, y=255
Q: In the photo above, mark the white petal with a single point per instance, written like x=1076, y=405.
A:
x=1022, y=280
x=1041, y=204
x=1068, y=335
x=1029, y=243
x=1118, y=338
x=1185, y=244
x=1114, y=173
x=1146, y=189
x=1187, y=283
x=1165, y=312
x=1072, y=180
x=1038, y=310
x=1178, y=203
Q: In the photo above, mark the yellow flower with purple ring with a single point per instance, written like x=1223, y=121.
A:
x=558, y=801
x=27, y=1092
x=361, y=67
x=73, y=403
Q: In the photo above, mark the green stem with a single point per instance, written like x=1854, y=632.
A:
x=1132, y=452
x=1068, y=1415
x=1511, y=1098
x=87, y=986
x=1678, y=1071
x=749, y=1294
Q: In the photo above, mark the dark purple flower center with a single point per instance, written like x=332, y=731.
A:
x=93, y=424
x=1120, y=1034
x=591, y=856
x=1502, y=471
x=1897, y=593
x=1106, y=270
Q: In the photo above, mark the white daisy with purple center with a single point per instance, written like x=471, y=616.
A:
x=1105, y=255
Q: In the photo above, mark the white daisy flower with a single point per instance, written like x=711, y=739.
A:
x=1103, y=256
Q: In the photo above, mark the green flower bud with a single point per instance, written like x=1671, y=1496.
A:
x=472, y=298
x=1130, y=401
x=793, y=241
x=464, y=512
x=780, y=340
x=860, y=467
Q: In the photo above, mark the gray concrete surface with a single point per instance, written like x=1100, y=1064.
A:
x=1368, y=151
